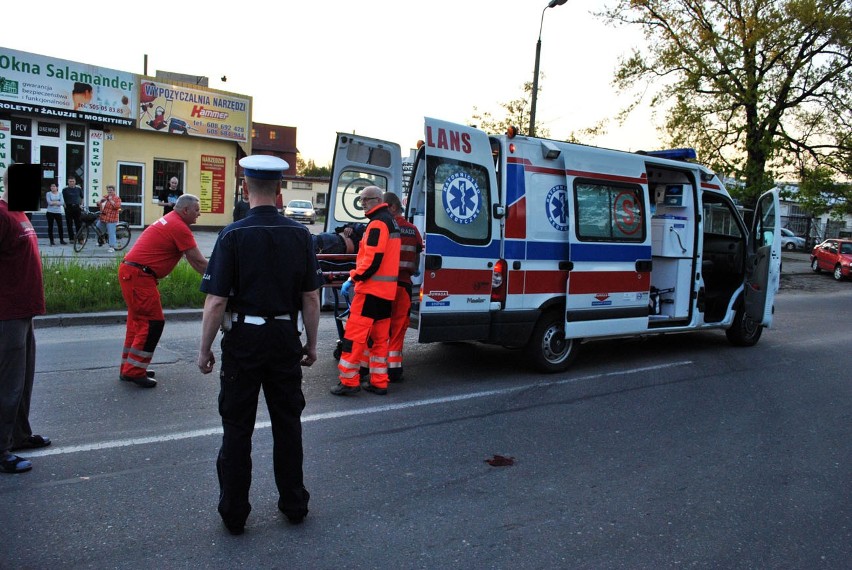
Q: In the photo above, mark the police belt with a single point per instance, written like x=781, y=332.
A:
x=255, y=320
x=143, y=268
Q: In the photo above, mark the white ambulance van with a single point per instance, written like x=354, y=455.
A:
x=542, y=245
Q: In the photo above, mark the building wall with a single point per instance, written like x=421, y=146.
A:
x=141, y=147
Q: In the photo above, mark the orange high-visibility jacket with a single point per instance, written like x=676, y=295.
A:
x=377, y=264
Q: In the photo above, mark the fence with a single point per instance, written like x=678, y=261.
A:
x=815, y=230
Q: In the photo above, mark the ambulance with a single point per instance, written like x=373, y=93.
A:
x=542, y=245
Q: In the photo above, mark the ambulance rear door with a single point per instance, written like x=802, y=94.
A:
x=360, y=162
x=763, y=269
x=453, y=200
x=609, y=283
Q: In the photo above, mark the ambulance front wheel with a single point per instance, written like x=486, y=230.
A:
x=744, y=331
x=548, y=349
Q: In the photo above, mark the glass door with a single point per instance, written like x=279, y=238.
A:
x=130, y=189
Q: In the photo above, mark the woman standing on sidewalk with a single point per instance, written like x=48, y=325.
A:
x=109, y=206
x=55, y=205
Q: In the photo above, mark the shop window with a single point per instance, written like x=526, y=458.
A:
x=163, y=172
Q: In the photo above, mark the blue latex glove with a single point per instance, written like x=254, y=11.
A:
x=347, y=290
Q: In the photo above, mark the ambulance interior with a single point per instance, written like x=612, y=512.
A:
x=678, y=270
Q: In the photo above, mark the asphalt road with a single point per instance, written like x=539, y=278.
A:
x=679, y=451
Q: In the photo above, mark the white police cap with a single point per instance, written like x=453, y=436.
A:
x=263, y=166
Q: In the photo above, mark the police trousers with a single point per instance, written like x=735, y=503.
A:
x=253, y=357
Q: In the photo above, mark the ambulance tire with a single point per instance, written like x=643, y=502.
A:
x=744, y=331
x=548, y=349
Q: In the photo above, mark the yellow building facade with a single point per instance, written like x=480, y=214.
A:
x=107, y=127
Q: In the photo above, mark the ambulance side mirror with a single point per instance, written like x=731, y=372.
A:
x=498, y=211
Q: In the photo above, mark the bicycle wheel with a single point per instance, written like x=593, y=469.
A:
x=122, y=236
x=82, y=237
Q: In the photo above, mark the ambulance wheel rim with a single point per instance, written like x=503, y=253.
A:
x=548, y=349
x=554, y=345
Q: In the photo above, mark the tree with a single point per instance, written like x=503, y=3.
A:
x=819, y=193
x=310, y=168
x=754, y=85
x=516, y=114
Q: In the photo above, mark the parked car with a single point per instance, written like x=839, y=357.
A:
x=301, y=210
x=791, y=241
x=833, y=255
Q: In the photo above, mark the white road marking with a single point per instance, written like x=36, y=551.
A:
x=337, y=414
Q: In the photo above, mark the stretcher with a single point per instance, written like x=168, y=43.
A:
x=335, y=271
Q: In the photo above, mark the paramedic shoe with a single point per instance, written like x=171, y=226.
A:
x=144, y=382
x=344, y=390
x=366, y=386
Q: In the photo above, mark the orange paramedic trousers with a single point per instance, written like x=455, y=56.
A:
x=359, y=328
x=145, y=320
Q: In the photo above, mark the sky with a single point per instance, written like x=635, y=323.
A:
x=372, y=67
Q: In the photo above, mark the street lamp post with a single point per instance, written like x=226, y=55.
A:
x=551, y=4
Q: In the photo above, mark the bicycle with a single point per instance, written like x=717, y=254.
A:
x=89, y=219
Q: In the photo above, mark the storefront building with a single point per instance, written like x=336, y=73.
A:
x=102, y=126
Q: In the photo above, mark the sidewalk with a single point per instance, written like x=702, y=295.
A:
x=92, y=253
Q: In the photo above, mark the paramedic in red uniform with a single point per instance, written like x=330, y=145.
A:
x=411, y=244
x=154, y=255
x=374, y=281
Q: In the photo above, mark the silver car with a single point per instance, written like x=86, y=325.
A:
x=791, y=241
x=301, y=210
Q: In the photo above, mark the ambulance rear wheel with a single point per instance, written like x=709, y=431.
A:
x=744, y=331
x=548, y=349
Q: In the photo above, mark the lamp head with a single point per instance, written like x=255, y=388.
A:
x=555, y=3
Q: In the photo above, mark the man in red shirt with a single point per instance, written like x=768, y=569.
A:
x=154, y=255
x=21, y=298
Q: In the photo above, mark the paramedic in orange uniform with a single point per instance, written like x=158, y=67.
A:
x=154, y=255
x=411, y=244
x=374, y=280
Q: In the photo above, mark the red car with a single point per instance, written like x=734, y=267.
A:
x=833, y=255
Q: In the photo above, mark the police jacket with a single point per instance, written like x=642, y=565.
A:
x=377, y=265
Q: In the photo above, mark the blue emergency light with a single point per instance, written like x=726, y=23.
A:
x=674, y=153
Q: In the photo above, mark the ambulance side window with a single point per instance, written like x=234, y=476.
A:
x=608, y=211
x=458, y=197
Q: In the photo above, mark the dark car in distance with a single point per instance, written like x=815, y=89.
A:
x=834, y=255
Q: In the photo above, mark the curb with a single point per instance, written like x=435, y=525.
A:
x=107, y=318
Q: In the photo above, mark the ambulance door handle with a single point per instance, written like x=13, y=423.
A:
x=644, y=265
x=432, y=262
x=566, y=266
x=516, y=265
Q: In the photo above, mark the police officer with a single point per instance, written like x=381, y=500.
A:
x=263, y=271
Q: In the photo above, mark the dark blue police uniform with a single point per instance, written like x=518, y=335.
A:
x=262, y=263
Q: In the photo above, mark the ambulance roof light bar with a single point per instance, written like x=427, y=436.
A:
x=673, y=153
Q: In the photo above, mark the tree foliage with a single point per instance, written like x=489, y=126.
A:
x=819, y=193
x=310, y=168
x=758, y=87
x=516, y=113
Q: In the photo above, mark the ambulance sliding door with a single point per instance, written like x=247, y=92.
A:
x=453, y=194
x=608, y=286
